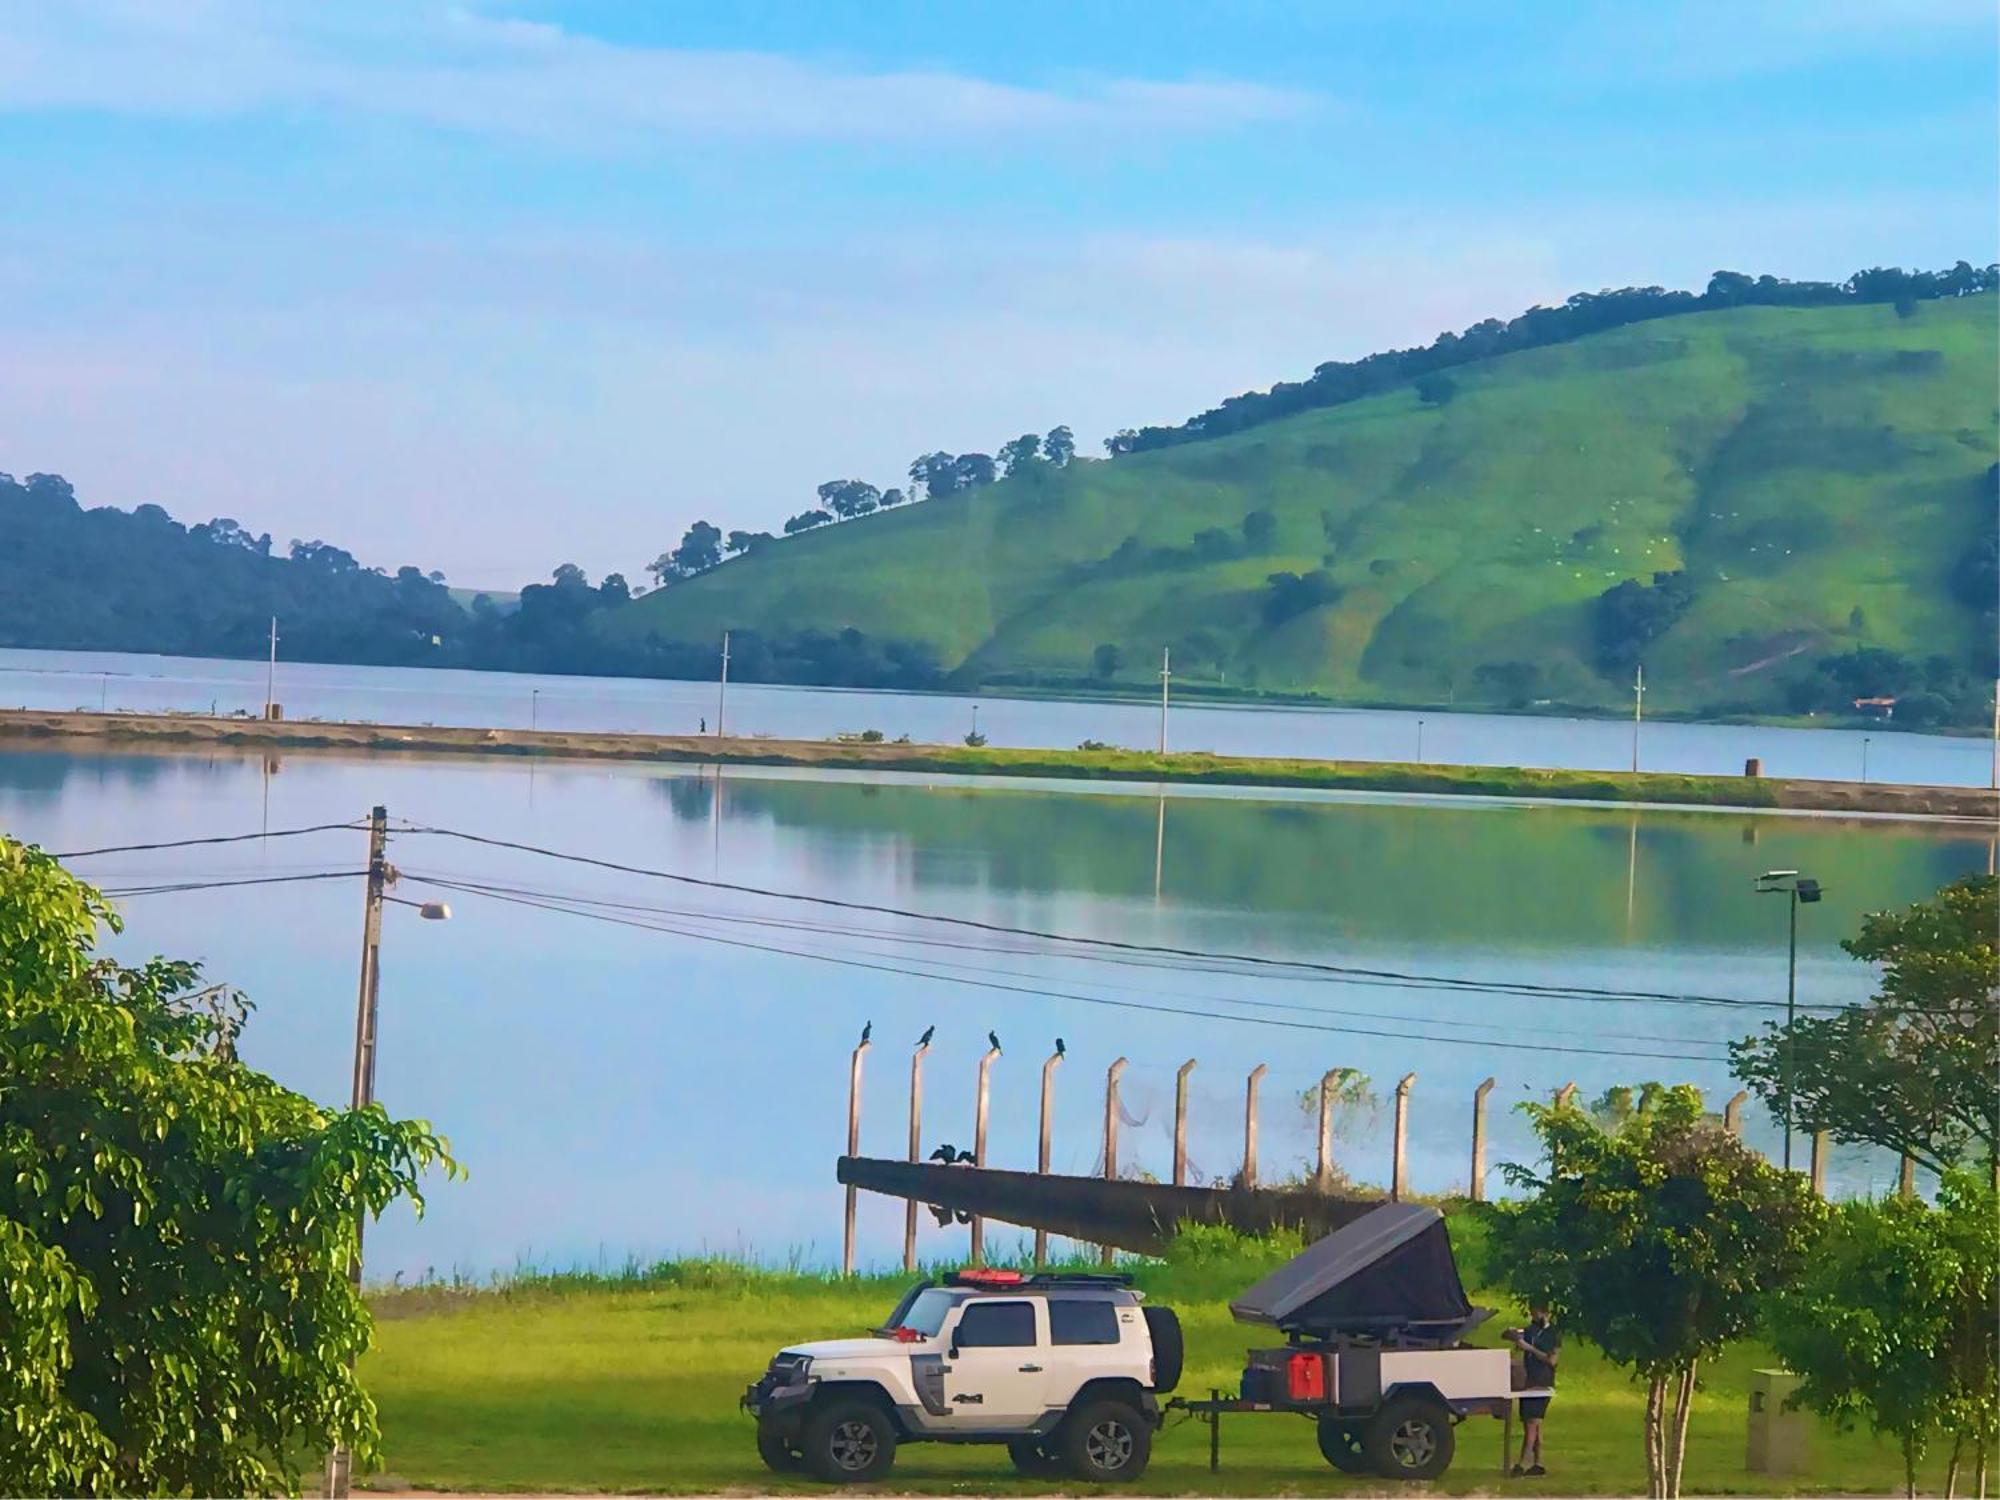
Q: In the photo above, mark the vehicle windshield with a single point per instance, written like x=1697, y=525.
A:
x=927, y=1313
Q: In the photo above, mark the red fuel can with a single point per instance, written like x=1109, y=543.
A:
x=1305, y=1377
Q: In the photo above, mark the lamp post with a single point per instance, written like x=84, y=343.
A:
x=1798, y=888
x=1864, y=760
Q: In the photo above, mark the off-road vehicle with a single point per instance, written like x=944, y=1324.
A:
x=1065, y=1370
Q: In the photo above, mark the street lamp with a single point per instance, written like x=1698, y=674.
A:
x=1800, y=888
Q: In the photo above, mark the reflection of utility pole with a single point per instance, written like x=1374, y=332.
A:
x=1160, y=844
x=1166, y=677
x=1638, y=706
x=722, y=688
x=1631, y=870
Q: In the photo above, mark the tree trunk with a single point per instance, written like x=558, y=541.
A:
x=1683, y=1409
x=1910, y=1466
x=1979, y=1466
x=1951, y=1466
x=1656, y=1400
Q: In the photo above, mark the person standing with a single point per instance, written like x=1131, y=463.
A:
x=1540, y=1344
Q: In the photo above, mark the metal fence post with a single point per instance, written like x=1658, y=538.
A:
x=1399, y=1182
x=1477, y=1190
x=1181, y=1122
x=979, y=1112
x=1042, y=1150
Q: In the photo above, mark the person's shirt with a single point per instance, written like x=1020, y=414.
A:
x=1546, y=1339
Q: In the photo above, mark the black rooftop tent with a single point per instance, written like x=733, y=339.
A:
x=1388, y=1273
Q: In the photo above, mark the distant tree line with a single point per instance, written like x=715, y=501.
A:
x=1338, y=382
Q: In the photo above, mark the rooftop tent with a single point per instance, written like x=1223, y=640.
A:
x=1390, y=1269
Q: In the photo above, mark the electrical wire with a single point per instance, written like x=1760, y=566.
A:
x=126, y=893
x=558, y=906
x=225, y=838
x=1524, y=988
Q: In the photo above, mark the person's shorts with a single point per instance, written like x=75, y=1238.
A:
x=1534, y=1408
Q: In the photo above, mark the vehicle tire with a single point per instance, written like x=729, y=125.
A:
x=1340, y=1442
x=779, y=1456
x=1169, y=1349
x=849, y=1440
x=1033, y=1458
x=1105, y=1442
x=1411, y=1437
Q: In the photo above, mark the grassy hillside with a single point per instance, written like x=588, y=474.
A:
x=1818, y=474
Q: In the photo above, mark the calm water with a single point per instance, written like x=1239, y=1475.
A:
x=676, y=1079
x=67, y=680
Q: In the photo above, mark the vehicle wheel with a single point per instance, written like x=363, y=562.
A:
x=1105, y=1442
x=849, y=1441
x=1033, y=1459
x=779, y=1456
x=1410, y=1438
x=1342, y=1446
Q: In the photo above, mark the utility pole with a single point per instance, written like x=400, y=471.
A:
x=1791, y=1015
x=1166, y=677
x=1638, y=706
x=722, y=688
x=1994, y=777
x=271, y=669
x=340, y=1463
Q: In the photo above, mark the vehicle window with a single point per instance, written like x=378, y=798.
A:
x=1075, y=1320
x=997, y=1325
x=927, y=1313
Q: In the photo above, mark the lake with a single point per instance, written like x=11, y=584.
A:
x=401, y=695
x=630, y=1065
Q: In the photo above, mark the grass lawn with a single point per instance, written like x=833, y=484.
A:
x=581, y=1384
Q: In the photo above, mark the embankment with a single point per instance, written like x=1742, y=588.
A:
x=180, y=732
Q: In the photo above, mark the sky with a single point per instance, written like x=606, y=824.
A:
x=491, y=286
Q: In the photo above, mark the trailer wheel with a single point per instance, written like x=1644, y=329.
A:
x=1341, y=1445
x=1411, y=1437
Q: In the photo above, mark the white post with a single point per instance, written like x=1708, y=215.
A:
x=1042, y=1152
x=271, y=669
x=1111, y=1133
x=979, y=1146
x=722, y=688
x=1181, y=1122
x=1250, y=1124
x=853, y=1149
x=1478, y=1188
x=916, y=1151
x=1166, y=676
x=1323, y=1175
x=1398, y=1172
x=1638, y=707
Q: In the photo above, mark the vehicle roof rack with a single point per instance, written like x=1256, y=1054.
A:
x=993, y=1278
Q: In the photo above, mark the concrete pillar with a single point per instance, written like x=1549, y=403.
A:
x=1250, y=1124
x=1042, y=1149
x=1565, y=1096
x=1399, y=1182
x=1111, y=1076
x=1477, y=1191
x=916, y=1151
x=853, y=1149
x=1820, y=1143
x=1181, y=1123
x=1732, y=1113
x=1323, y=1176
x=979, y=1145
x=1906, y=1179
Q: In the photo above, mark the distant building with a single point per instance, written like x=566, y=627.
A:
x=1881, y=708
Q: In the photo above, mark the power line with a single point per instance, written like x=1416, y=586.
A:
x=226, y=838
x=127, y=892
x=1052, y=994
x=1345, y=971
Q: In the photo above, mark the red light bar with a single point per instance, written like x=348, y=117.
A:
x=982, y=1276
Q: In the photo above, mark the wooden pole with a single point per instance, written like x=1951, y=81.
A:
x=1399, y=1181
x=1042, y=1152
x=979, y=1146
x=1732, y=1113
x=1906, y=1179
x=1250, y=1124
x=1477, y=1191
x=1820, y=1142
x=853, y=1149
x=1565, y=1096
x=1111, y=1077
x=1323, y=1175
x=916, y=1151
x=1181, y=1122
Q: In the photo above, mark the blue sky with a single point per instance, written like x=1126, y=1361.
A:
x=490, y=286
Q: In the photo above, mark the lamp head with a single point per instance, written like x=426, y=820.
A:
x=439, y=911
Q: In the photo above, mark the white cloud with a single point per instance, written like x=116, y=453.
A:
x=464, y=69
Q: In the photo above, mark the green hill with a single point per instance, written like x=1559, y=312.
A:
x=1820, y=480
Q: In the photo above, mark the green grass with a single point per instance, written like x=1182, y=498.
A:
x=1800, y=463
x=630, y=1383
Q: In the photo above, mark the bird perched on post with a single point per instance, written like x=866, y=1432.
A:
x=1060, y=1048
x=925, y=1039
x=994, y=1038
x=867, y=1031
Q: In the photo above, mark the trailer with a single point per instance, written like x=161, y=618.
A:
x=1374, y=1318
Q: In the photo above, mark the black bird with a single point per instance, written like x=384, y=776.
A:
x=867, y=1031
x=1060, y=1048
x=994, y=1038
x=925, y=1039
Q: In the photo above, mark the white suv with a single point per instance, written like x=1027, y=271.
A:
x=1066, y=1370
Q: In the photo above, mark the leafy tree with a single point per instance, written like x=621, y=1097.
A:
x=1913, y=1069
x=1020, y=452
x=1630, y=616
x=176, y=1231
x=1105, y=661
x=1893, y=1321
x=936, y=473
x=1059, y=447
x=1436, y=390
x=664, y=569
x=806, y=521
x=970, y=469
x=1214, y=545
x=743, y=541
x=892, y=496
x=1289, y=595
x=614, y=589
x=567, y=576
x=1656, y=1242
x=848, y=498
x=700, y=549
x=1260, y=531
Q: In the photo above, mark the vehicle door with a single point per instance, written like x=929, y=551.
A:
x=995, y=1369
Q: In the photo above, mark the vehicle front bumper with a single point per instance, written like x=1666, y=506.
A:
x=777, y=1395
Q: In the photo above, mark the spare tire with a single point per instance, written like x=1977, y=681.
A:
x=1164, y=1326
